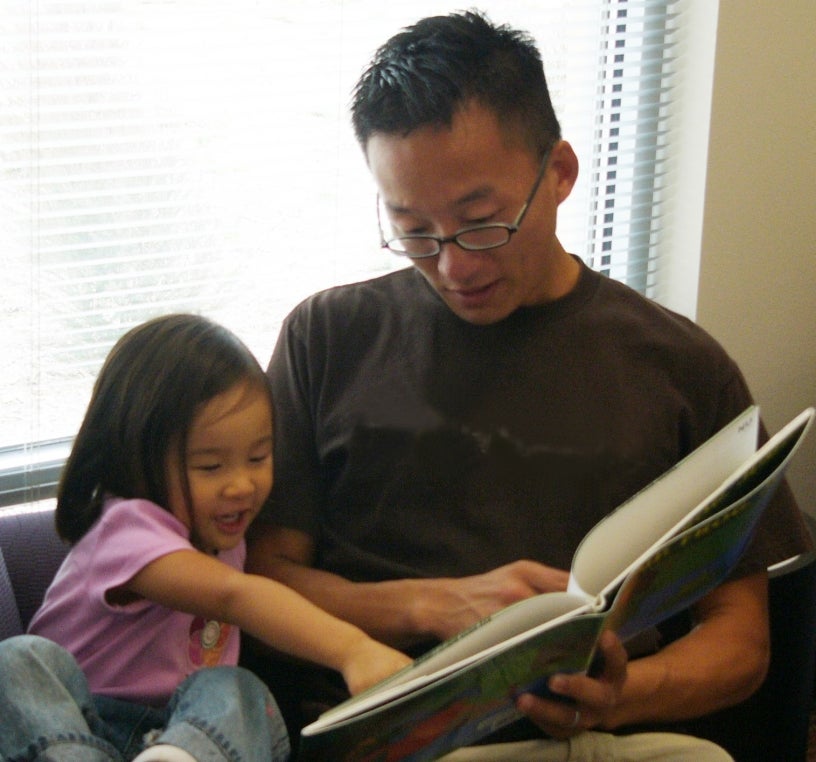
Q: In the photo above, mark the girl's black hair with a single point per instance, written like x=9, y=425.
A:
x=144, y=400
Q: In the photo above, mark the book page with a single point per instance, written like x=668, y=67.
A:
x=623, y=538
x=501, y=628
x=697, y=560
x=496, y=632
x=773, y=456
x=472, y=701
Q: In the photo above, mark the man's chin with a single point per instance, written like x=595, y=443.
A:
x=486, y=314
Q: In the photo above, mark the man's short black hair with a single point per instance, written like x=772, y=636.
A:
x=428, y=71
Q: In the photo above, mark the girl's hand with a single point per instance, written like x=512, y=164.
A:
x=368, y=662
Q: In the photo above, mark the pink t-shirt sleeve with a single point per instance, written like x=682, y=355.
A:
x=131, y=534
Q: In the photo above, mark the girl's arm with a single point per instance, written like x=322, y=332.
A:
x=199, y=584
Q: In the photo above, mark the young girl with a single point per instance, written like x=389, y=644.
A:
x=170, y=466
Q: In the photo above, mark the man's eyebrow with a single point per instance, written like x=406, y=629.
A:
x=478, y=194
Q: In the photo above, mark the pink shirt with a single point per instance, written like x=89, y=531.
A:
x=139, y=651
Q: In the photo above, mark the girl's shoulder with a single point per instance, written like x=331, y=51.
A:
x=119, y=513
x=131, y=533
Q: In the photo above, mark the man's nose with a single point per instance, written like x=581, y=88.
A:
x=456, y=264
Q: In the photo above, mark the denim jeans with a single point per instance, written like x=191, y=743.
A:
x=47, y=713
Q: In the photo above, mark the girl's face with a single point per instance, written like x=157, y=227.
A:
x=229, y=468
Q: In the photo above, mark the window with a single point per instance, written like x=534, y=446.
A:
x=163, y=155
x=636, y=76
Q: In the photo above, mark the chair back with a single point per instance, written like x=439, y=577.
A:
x=31, y=552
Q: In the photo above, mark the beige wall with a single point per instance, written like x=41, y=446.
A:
x=757, y=291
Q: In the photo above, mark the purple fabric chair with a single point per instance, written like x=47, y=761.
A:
x=30, y=554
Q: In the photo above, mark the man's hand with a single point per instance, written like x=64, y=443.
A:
x=720, y=662
x=591, y=699
x=458, y=603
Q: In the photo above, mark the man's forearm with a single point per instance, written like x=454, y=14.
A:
x=719, y=663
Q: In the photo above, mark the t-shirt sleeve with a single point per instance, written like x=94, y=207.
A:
x=293, y=370
x=131, y=534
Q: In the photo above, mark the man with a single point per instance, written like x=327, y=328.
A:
x=447, y=434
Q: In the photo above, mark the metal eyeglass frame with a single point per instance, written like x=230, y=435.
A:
x=509, y=228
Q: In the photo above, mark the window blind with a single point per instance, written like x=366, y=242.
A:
x=165, y=155
x=639, y=66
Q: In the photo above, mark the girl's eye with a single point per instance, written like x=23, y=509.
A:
x=260, y=458
x=207, y=467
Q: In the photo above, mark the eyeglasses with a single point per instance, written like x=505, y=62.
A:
x=490, y=235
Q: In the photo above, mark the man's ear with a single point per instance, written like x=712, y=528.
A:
x=565, y=163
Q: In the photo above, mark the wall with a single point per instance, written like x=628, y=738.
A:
x=757, y=291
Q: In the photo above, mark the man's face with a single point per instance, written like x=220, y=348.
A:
x=438, y=180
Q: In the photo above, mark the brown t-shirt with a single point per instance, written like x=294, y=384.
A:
x=411, y=443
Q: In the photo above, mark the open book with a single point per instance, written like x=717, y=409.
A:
x=652, y=557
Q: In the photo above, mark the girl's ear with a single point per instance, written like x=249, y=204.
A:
x=565, y=163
